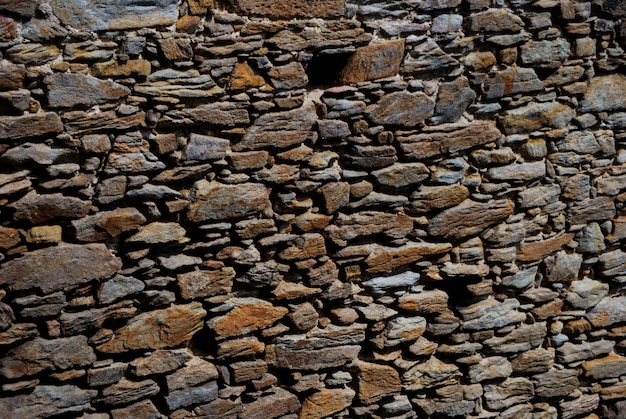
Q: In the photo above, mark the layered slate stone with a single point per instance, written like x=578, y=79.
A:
x=278, y=129
x=35, y=125
x=386, y=258
x=605, y=93
x=59, y=267
x=326, y=402
x=48, y=400
x=402, y=108
x=287, y=9
x=157, y=329
x=448, y=138
x=73, y=90
x=535, y=116
x=98, y=15
x=217, y=201
x=372, y=62
x=248, y=314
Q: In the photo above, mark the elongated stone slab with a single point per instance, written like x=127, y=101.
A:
x=20, y=127
x=290, y=9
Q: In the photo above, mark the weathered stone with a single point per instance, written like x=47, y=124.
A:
x=563, y=267
x=375, y=381
x=79, y=122
x=469, y=218
x=535, y=116
x=126, y=392
x=88, y=15
x=594, y=209
x=158, y=232
x=555, y=383
x=336, y=195
x=586, y=293
x=520, y=339
x=401, y=108
x=491, y=314
x=496, y=20
x=205, y=283
x=87, y=51
x=275, y=404
x=279, y=130
x=533, y=361
x=447, y=138
x=511, y=81
x=288, y=76
x=130, y=68
x=367, y=223
x=21, y=7
x=40, y=355
x=63, y=266
x=537, y=250
x=244, y=77
x=106, y=375
x=35, y=125
x=9, y=237
x=324, y=403
x=144, y=409
x=605, y=93
x=215, y=201
x=247, y=315
x=490, y=368
x=107, y=224
x=400, y=175
x=522, y=279
x=432, y=302
x=157, y=329
x=399, y=330
x=571, y=353
x=372, y=62
x=452, y=100
x=386, y=259
x=429, y=374
x=32, y=53
x=72, y=90
x=508, y=393
x=284, y=9
x=429, y=198
x=548, y=53
x=427, y=57
x=160, y=362
x=47, y=400
x=579, y=406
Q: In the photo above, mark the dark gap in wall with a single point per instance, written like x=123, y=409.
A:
x=324, y=70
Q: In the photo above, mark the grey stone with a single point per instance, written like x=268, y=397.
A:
x=47, y=401
x=401, y=108
x=605, y=93
x=508, y=393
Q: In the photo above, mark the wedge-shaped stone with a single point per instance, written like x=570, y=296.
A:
x=605, y=93
x=325, y=402
x=46, y=401
x=74, y=90
x=40, y=355
x=368, y=223
x=401, y=108
x=447, y=138
x=212, y=201
x=429, y=374
x=248, y=314
x=491, y=314
x=35, y=125
x=373, y=62
x=508, y=393
x=91, y=15
x=278, y=129
x=520, y=339
x=160, y=362
x=157, y=329
x=386, y=259
x=63, y=267
x=537, y=250
x=469, y=218
x=126, y=392
x=375, y=381
x=535, y=116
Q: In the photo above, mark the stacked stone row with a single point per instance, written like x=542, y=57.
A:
x=332, y=209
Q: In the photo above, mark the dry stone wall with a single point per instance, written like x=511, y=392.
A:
x=325, y=208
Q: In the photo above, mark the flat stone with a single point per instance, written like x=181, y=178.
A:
x=363, y=224
x=34, y=125
x=584, y=404
x=508, y=393
x=89, y=15
x=160, y=362
x=288, y=76
x=555, y=383
x=400, y=175
x=79, y=122
x=491, y=314
x=569, y=352
x=593, y=209
x=496, y=20
x=537, y=250
x=118, y=288
x=179, y=85
x=63, y=266
x=522, y=338
x=448, y=138
x=126, y=392
x=563, y=267
x=286, y=10
x=533, y=361
x=383, y=284
x=586, y=293
x=386, y=259
x=453, y=99
x=276, y=403
x=221, y=113
x=278, y=129
x=89, y=50
x=326, y=402
x=144, y=409
x=535, y=116
x=550, y=53
x=107, y=224
x=157, y=329
x=158, y=232
x=21, y=7
x=401, y=108
x=216, y=201
x=429, y=374
x=610, y=310
x=373, y=62
x=40, y=355
x=399, y=330
x=248, y=314
x=511, y=81
x=375, y=381
x=130, y=68
x=205, y=283
x=73, y=90
x=32, y=53
x=489, y=369
x=106, y=375
x=605, y=93
x=48, y=400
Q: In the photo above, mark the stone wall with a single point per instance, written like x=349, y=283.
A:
x=308, y=209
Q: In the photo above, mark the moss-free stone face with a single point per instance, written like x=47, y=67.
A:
x=289, y=9
x=98, y=15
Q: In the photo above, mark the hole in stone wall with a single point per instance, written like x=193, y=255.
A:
x=324, y=70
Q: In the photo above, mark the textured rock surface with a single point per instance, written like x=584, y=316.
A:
x=317, y=209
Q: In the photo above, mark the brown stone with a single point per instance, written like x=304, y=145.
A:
x=496, y=20
x=307, y=246
x=336, y=195
x=205, y=283
x=130, y=68
x=533, y=361
x=386, y=259
x=429, y=374
x=157, y=329
x=288, y=76
x=248, y=315
x=537, y=250
x=63, y=266
x=243, y=371
x=9, y=237
x=126, y=392
x=429, y=198
x=510, y=81
x=375, y=381
x=21, y=7
x=242, y=347
x=159, y=232
x=535, y=116
x=367, y=223
x=448, y=138
x=79, y=122
x=35, y=125
x=107, y=224
x=372, y=62
x=509, y=392
x=160, y=362
x=176, y=49
x=216, y=201
x=325, y=402
x=32, y=53
x=275, y=404
x=73, y=90
x=401, y=108
x=432, y=302
x=610, y=310
x=605, y=93
x=555, y=383
x=244, y=77
x=144, y=409
x=285, y=9
x=48, y=400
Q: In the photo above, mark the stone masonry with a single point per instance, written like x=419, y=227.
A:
x=312, y=209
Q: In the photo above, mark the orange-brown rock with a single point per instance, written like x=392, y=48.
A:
x=375, y=381
x=286, y=9
x=157, y=329
x=217, y=201
x=243, y=77
x=372, y=62
x=537, y=250
x=35, y=125
x=205, y=283
x=307, y=246
x=386, y=259
x=325, y=402
x=248, y=314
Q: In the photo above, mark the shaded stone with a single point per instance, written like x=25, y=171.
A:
x=469, y=218
x=88, y=15
x=372, y=62
x=429, y=374
x=21, y=7
x=157, y=329
x=605, y=93
x=453, y=99
x=160, y=362
x=63, y=266
x=510, y=81
x=555, y=383
x=118, y=288
x=427, y=57
x=401, y=175
x=106, y=375
x=107, y=224
x=336, y=195
x=276, y=403
x=34, y=125
x=74, y=322
x=535, y=116
x=533, y=361
x=47, y=400
x=375, y=381
x=448, y=138
x=284, y=9
x=205, y=283
x=203, y=147
x=401, y=108
x=40, y=355
x=288, y=76
x=278, y=129
x=32, y=53
x=325, y=402
x=126, y=392
x=248, y=314
x=594, y=209
x=216, y=201
x=508, y=393
x=563, y=267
